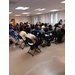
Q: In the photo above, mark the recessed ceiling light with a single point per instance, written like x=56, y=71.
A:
x=24, y=8
x=17, y=15
x=10, y=12
x=18, y=8
x=38, y=13
x=21, y=8
x=63, y=2
x=54, y=10
x=25, y=12
x=42, y=9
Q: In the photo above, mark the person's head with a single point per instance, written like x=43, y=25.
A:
x=36, y=24
x=43, y=27
x=27, y=22
x=22, y=28
x=60, y=20
x=28, y=30
x=36, y=27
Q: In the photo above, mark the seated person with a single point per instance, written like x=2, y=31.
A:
x=13, y=40
x=33, y=38
x=46, y=30
x=50, y=27
x=23, y=34
x=47, y=37
x=42, y=30
x=36, y=29
x=61, y=35
x=45, y=24
x=11, y=28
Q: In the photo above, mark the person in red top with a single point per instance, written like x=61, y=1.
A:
x=24, y=26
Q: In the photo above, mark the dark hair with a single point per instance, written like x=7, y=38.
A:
x=28, y=30
x=36, y=27
x=21, y=28
x=10, y=24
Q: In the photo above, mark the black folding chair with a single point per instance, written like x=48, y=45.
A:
x=32, y=47
x=23, y=43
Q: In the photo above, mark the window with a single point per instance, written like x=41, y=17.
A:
x=51, y=18
x=55, y=18
x=35, y=20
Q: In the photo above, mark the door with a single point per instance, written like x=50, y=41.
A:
x=13, y=22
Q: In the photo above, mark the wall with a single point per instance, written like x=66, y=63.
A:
x=45, y=18
x=19, y=19
x=61, y=15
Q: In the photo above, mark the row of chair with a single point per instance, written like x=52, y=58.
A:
x=30, y=43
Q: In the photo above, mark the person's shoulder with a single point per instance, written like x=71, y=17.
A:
x=32, y=35
x=22, y=32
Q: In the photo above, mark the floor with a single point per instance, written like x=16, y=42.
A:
x=51, y=61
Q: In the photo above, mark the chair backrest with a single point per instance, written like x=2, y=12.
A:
x=34, y=33
x=46, y=30
x=29, y=40
x=41, y=36
x=20, y=37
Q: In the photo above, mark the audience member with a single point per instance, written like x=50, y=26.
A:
x=42, y=30
x=61, y=34
x=60, y=22
x=23, y=34
x=13, y=40
x=33, y=38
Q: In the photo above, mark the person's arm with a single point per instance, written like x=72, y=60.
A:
x=35, y=38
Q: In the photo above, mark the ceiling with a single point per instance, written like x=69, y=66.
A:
x=34, y=4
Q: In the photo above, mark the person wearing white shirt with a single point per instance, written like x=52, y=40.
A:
x=33, y=38
x=23, y=34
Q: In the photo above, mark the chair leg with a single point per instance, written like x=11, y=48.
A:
x=34, y=52
x=30, y=53
x=21, y=45
x=28, y=50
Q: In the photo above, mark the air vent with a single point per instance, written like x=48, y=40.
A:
x=12, y=2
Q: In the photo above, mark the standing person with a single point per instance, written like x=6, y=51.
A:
x=61, y=35
x=60, y=22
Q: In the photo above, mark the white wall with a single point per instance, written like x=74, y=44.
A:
x=45, y=18
x=61, y=15
x=19, y=19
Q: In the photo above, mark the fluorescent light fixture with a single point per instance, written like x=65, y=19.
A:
x=38, y=13
x=42, y=9
x=17, y=15
x=10, y=12
x=21, y=8
x=63, y=2
x=25, y=8
x=25, y=12
x=54, y=10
